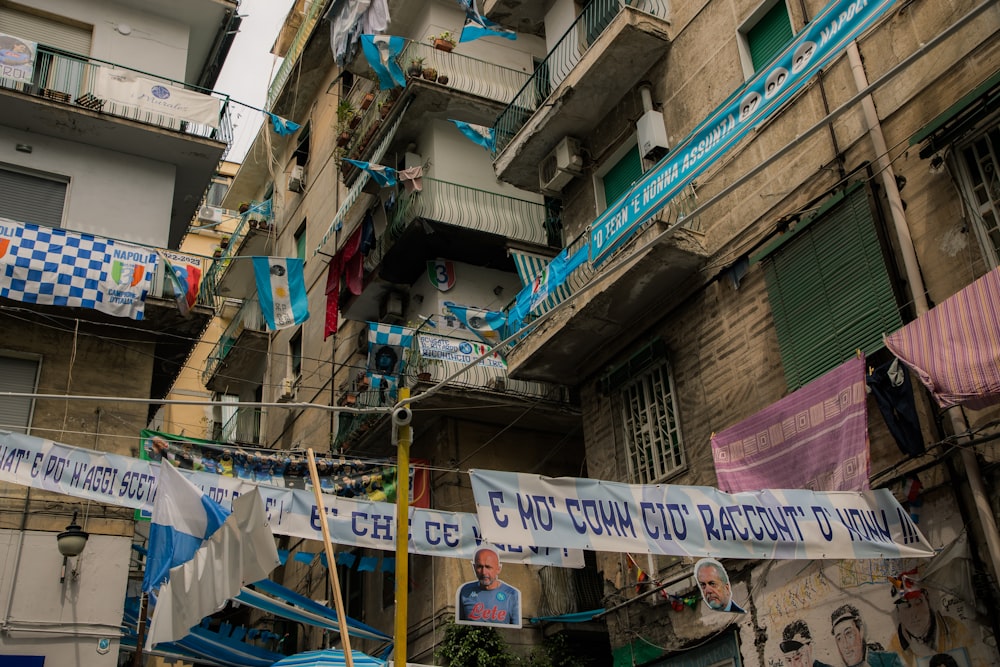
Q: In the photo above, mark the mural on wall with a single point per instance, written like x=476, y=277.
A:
x=872, y=613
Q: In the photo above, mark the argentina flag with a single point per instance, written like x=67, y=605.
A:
x=488, y=325
x=183, y=518
x=382, y=175
x=484, y=136
x=381, y=52
x=281, y=289
x=477, y=25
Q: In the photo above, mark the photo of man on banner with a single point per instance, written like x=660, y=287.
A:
x=487, y=600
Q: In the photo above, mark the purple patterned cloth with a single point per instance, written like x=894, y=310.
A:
x=815, y=438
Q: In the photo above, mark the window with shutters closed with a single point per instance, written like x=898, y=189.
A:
x=830, y=288
x=767, y=35
x=17, y=375
x=621, y=176
x=32, y=197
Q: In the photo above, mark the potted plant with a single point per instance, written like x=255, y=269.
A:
x=384, y=107
x=443, y=79
x=224, y=242
x=244, y=206
x=345, y=114
x=367, y=100
x=416, y=67
x=443, y=42
x=217, y=253
x=430, y=73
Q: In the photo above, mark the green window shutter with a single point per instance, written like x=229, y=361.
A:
x=769, y=36
x=300, y=244
x=621, y=176
x=830, y=291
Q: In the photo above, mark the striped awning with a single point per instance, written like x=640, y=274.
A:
x=954, y=348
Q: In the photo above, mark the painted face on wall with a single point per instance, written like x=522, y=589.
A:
x=850, y=642
x=915, y=615
x=801, y=657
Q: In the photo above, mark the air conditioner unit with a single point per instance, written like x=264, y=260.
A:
x=297, y=179
x=560, y=166
x=209, y=214
x=287, y=389
x=390, y=308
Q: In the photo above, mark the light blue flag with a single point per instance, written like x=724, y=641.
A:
x=282, y=126
x=482, y=135
x=382, y=175
x=281, y=290
x=183, y=518
x=488, y=325
x=477, y=25
x=381, y=52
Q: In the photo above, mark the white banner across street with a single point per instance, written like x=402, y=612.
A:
x=129, y=482
x=696, y=521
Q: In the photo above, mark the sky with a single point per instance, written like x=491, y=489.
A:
x=249, y=68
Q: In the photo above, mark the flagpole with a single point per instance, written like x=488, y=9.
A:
x=404, y=435
x=140, y=629
x=345, y=639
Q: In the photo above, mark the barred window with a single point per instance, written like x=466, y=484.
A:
x=650, y=428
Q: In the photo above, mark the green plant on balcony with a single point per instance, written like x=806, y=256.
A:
x=444, y=41
x=415, y=68
x=345, y=116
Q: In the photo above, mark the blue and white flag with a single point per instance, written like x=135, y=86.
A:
x=281, y=125
x=281, y=289
x=183, y=518
x=388, y=344
x=477, y=25
x=381, y=51
x=383, y=176
x=242, y=551
x=489, y=325
x=482, y=135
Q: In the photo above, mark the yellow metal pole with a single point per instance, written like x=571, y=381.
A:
x=345, y=639
x=404, y=435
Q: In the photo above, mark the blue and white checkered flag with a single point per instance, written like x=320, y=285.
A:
x=482, y=135
x=381, y=52
x=387, y=347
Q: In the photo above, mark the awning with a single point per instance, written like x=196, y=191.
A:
x=954, y=348
x=280, y=601
x=959, y=118
x=329, y=658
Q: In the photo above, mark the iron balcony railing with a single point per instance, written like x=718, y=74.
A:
x=468, y=75
x=309, y=21
x=242, y=427
x=677, y=211
x=248, y=317
x=560, y=61
x=462, y=206
x=260, y=215
x=73, y=79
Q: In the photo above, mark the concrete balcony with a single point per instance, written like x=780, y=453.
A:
x=473, y=90
x=604, y=54
x=231, y=274
x=240, y=356
x=573, y=343
x=64, y=100
x=445, y=220
x=485, y=388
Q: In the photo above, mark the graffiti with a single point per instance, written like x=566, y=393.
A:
x=868, y=571
x=798, y=596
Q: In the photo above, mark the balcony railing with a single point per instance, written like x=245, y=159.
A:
x=249, y=316
x=72, y=79
x=468, y=75
x=242, y=427
x=561, y=60
x=677, y=211
x=259, y=216
x=309, y=21
x=466, y=207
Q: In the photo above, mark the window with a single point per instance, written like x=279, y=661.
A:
x=19, y=375
x=830, y=290
x=58, y=65
x=300, y=241
x=620, y=177
x=978, y=166
x=295, y=354
x=765, y=34
x=301, y=153
x=646, y=411
x=32, y=197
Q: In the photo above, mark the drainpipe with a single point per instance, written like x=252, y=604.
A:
x=918, y=292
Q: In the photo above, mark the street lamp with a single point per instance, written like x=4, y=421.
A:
x=71, y=543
